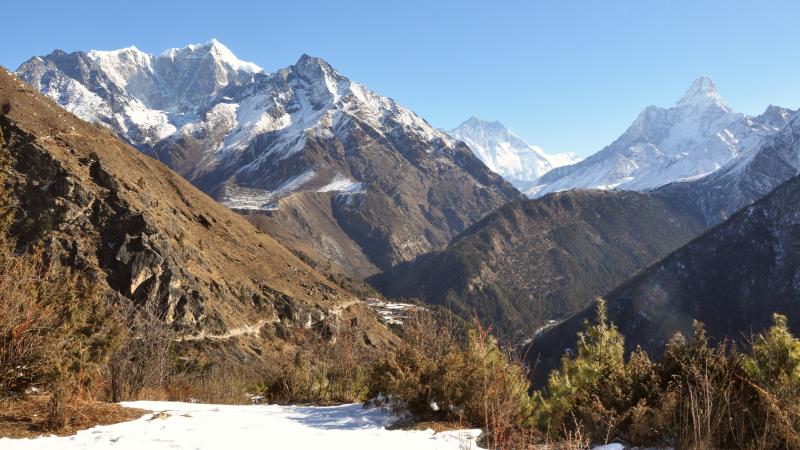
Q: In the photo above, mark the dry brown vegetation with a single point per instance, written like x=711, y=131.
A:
x=56, y=337
x=328, y=367
x=26, y=418
x=696, y=396
x=144, y=359
x=441, y=373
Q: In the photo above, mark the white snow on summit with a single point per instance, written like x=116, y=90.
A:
x=142, y=97
x=702, y=92
x=218, y=50
x=507, y=154
x=123, y=66
x=696, y=137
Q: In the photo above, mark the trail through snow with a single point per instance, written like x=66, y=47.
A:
x=206, y=427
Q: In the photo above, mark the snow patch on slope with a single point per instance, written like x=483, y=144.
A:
x=239, y=197
x=344, y=185
x=153, y=124
x=76, y=99
x=393, y=313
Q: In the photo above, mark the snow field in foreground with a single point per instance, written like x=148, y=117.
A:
x=201, y=427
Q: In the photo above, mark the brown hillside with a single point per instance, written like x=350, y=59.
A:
x=145, y=234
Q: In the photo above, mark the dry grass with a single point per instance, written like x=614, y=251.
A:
x=26, y=418
x=436, y=426
x=331, y=366
x=27, y=336
x=224, y=386
x=459, y=378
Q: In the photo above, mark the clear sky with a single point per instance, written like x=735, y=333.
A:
x=564, y=75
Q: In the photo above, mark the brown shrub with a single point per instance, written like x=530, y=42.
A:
x=55, y=333
x=697, y=396
x=329, y=366
x=27, y=325
x=436, y=375
x=144, y=360
x=27, y=417
x=705, y=380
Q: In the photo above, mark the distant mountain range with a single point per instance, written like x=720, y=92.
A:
x=311, y=152
x=302, y=146
x=507, y=154
x=696, y=137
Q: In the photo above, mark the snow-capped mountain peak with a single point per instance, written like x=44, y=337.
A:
x=697, y=136
x=703, y=92
x=747, y=178
x=775, y=116
x=314, y=67
x=323, y=83
x=507, y=154
x=124, y=65
x=489, y=125
x=179, y=80
x=216, y=50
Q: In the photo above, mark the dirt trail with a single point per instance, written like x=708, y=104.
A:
x=251, y=329
x=233, y=332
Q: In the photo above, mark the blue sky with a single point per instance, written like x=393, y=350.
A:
x=564, y=75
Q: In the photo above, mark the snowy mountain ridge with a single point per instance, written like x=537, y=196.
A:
x=697, y=136
x=507, y=154
x=371, y=175
x=746, y=179
x=205, y=92
x=143, y=98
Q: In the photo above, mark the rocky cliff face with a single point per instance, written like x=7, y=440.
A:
x=144, y=235
x=391, y=186
x=541, y=260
